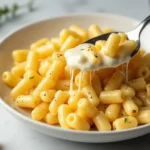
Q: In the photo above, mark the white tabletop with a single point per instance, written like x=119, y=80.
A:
x=16, y=136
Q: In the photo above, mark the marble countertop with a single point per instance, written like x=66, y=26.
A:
x=16, y=136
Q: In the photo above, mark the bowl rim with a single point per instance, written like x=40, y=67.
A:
x=41, y=124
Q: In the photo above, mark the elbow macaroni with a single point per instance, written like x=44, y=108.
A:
x=112, y=44
x=47, y=95
x=127, y=91
x=130, y=107
x=91, y=95
x=111, y=97
x=94, y=31
x=10, y=79
x=20, y=55
x=101, y=122
x=39, y=112
x=76, y=122
x=32, y=61
x=138, y=84
x=112, y=112
x=19, y=69
x=28, y=101
x=125, y=123
x=115, y=81
x=76, y=99
x=59, y=98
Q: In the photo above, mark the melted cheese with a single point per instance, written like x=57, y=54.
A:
x=77, y=60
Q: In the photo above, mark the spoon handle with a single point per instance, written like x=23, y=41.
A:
x=143, y=24
x=136, y=33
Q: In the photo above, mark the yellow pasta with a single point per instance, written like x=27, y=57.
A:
x=74, y=98
x=39, y=112
x=63, y=111
x=130, y=107
x=143, y=72
x=94, y=31
x=90, y=110
x=32, y=61
x=55, y=43
x=10, y=79
x=64, y=85
x=92, y=55
x=19, y=69
x=112, y=44
x=82, y=79
x=64, y=34
x=105, y=73
x=125, y=123
x=44, y=67
x=96, y=83
x=56, y=40
x=101, y=122
x=66, y=72
x=127, y=91
x=148, y=89
x=39, y=43
x=45, y=84
x=60, y=98
x=54, y=73
x=123, y=37
x=59, y=56
x=32, y=75
x=106, y=99
x=69, y=43
x=143, y=117
x=47, y=95
x=80, y=31
x=91, y=95
x=21, y=88
x=51, y=119
x=20, y=55
x=111, y=97
x=46, y=50
x=126, y=48
x=76, y=122
x=112, y=112
x=144, y=98
x=107, y=30
x=28, y=101
x=100, y=44
x=82, y=113
x=115, y=81
x=138, y=84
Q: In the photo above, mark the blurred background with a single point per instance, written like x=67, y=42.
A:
x=137, y=9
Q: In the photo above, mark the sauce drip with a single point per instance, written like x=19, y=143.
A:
x=71, y=80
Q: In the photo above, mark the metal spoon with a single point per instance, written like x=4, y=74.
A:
x=74, y=55
x=132, y=35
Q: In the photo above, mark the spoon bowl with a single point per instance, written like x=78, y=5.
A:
x=132, y=35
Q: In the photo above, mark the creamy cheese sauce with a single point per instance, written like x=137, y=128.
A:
x=76, y=59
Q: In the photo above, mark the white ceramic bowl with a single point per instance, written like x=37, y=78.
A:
x=23, y=37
